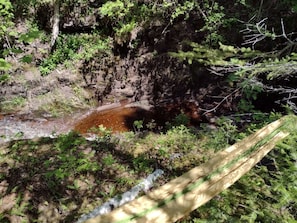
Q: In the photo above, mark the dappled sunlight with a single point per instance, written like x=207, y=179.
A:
x=170, y=106
x=67, y=177
x=184, y=194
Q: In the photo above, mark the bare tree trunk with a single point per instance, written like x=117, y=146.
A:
x=56, y=20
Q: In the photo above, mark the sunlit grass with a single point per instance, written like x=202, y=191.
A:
x=68, y=176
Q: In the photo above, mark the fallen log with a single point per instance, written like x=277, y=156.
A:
x=186, y=193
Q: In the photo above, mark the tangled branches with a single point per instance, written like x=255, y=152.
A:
x=255, y=33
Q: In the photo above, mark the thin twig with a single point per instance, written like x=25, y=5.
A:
x=202, y=13
x=220, y=103
x=9, y=48
x=254, y=33
x=284, y=32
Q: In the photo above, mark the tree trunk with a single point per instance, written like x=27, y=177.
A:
x=56, y=20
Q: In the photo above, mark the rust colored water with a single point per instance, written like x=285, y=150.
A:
x=117, y=119
x=121, y=118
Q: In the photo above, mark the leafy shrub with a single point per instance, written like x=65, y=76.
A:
x=119, y=15
x=69, y=160
x=4, y=66
x=138, y=125
x=180, y=120
x=6, y=15
x=183, y=9
x=4, y=78
x=225, y=134
x=72, y=47
x=116, y=10
x=267, y=193
x=213, y=16
x=179, y=138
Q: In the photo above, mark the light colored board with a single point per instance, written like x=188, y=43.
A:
x=184, y=194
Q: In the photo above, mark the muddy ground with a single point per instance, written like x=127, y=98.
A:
x=144, y=72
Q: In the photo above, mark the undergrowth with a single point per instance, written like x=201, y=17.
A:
x=73, y=175
x=73, y=48
x=267, y=193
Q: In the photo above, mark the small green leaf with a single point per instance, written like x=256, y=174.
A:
x=30, y=36
x=4, y=65
x=27, y=59
x=4, y=78
x=15, y=50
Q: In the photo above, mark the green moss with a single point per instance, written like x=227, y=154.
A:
x=13, y=104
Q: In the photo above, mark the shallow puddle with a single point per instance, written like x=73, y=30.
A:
x=117, y=119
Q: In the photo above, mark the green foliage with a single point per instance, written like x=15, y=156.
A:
x=262, y=196
x=125, y=29
x=224, y=56
x=243, y=66
x=124, y=15
x=104, y=138
x=210, y=11
x=30, y=36
x=267, y=193
x=74, y=47
x=142, y=164
x=4, y=78
x=151, y=125
x=69, y=161
x=66, y=159
x=119, y=14
x=67, y=47
x=177, y=138
x=27, y=59
x=245, y=105
x=181, y=119
x=4, y=66
x=13, y=103
x=102, y=131
x=108, y=160
x=213, y=15
x=116, y=10
x=225, y=134
x=138, y=125
x=250, y=89
x=6, y=16
x=238, y=64
x=183, y=9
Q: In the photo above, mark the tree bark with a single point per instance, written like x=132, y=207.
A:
x=56, y=21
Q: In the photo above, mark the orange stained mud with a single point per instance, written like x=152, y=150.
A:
x=117, y=119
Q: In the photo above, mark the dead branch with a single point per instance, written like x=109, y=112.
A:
x=206, y=111
x=290, y=94
x=255, y=33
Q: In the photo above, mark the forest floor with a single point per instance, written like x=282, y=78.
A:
x=58, y=180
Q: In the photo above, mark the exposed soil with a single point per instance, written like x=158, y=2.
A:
x=145, y=72
x=136, y=71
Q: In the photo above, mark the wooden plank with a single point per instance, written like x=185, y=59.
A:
x=184, y=194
